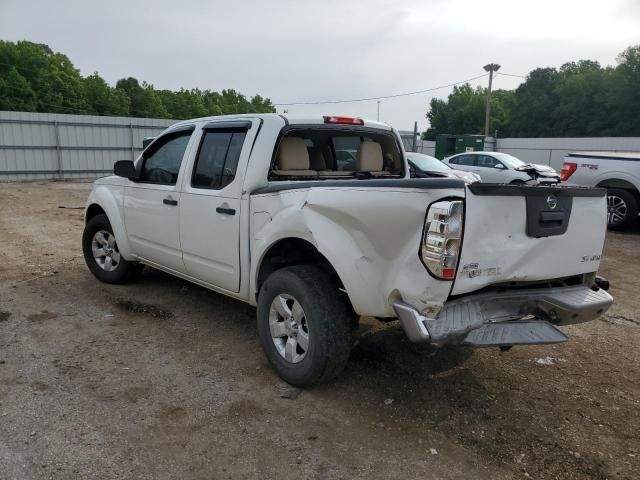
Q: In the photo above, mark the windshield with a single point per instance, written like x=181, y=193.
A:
x=508, y=160
x=427, y=163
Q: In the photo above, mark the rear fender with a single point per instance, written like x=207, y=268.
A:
x=615, y=175
x=370, y=237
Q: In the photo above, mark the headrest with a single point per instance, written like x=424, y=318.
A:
x=369, y=157
x=293, y=154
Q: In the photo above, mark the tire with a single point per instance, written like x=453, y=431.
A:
x=518, y=182
x=622, y=209
x=112, y=267
x=326, y=320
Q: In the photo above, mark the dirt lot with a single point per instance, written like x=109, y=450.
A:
x=163, y=379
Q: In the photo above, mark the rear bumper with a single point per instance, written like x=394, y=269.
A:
x=511, y=317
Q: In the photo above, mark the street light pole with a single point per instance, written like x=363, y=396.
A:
x=492, y=67
x=378, y=116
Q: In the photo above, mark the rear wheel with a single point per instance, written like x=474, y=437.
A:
x=622, y=208
x=102, y=255
x=304, y=325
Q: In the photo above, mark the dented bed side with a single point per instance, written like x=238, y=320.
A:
x=371, y=236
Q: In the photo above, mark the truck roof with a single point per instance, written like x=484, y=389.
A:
x=293, y=118
x=607, y=155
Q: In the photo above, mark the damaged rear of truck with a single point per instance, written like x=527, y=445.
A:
x=480, y=264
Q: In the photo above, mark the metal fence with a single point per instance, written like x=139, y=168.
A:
x=546, y=151
x=551, y=151
x=43, y=145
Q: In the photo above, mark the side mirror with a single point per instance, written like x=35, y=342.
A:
x=125, y=168
x=500, y=166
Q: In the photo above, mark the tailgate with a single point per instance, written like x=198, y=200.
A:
x=529, y=233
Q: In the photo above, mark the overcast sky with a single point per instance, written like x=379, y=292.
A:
x=295, y=50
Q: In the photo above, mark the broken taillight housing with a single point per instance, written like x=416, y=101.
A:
x=442, y=238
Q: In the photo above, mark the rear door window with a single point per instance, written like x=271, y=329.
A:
x=466, y=160
x=217, y=158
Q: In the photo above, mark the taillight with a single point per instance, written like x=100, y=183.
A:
x=343, y=120
x=567, y=170
x=442, y=238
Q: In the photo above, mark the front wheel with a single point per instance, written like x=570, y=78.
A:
x=304, y=325
x=102, y=255
x=622, y=208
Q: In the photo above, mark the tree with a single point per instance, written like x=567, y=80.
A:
x=16, y=93
x=143, y=100
x=534, y=101
x=34, y=78
x=582, y=108
x=103, y=99
x=624, y=94
x=51, y=76
x=464, y=110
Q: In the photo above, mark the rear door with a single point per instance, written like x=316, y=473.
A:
x=522, y=233
x=210, y=204
x=151, y=203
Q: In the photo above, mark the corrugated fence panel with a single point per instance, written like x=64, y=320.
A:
x=551, y=151
x=44, y=145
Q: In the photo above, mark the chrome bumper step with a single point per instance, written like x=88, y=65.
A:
x=528, y=332
x=511, y=317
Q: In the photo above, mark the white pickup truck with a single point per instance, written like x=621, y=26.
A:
x=256, y=207
x=618, y=172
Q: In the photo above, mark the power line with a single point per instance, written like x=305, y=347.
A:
x=381, y=97
x=511, y=75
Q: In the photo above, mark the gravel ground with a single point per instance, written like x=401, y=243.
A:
x=162, y=379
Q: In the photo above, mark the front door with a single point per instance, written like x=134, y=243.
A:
x=151, y=204
x=210, y=204
x=490, y=169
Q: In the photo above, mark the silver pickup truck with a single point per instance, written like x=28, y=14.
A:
x=259, y=208
x=618, y=172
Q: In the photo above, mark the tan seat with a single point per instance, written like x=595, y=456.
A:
x=369, y=159
x=293, y=158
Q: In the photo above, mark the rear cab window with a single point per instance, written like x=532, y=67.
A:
x=336, y=152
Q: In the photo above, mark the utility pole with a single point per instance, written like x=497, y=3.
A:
x=378, y=117
x=492, y=67
x=415, y=137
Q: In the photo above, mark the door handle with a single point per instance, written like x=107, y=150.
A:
x=170, y=201
x=226, y=211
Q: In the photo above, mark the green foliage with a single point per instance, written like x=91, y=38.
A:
x=33, y=78
x=464, y=110
x=580, y=99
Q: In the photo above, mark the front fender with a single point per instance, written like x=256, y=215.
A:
x=111, y=199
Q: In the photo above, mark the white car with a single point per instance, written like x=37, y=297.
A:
x=618, y=172
x=426, y=164
x=255, y=207
x=497, y=167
